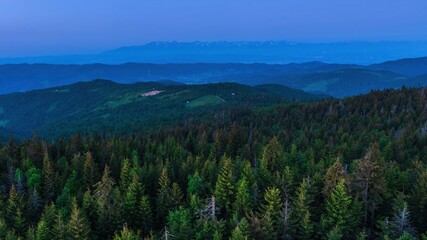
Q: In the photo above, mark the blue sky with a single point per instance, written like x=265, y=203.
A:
x=50, y=27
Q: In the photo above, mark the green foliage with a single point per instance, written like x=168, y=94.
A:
x=176, y=196
x=179, y=223
x=370, y=182
x=224, y=188
x=60, y=111
x=125, y=178
x=131, y=202
x=334, y=234
x=77, y=227
x=406, y=236
x=103, y=191
x=164, y=194
x=59, y=229
x=31, y=235
x=271, y=213
x=339, y=216
x=48, y=174
x=242, y=204
x=34, y=177
x=43, y=231
x=3, y=228
x=314, y=175
x=89, y=171
x=126, y=234
x=419, y=201
x=196, y=185
x=205, y=100
x=301, y=215
x=241, y=231
x=146, y=214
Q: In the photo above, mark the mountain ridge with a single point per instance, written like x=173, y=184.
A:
x=244, y=52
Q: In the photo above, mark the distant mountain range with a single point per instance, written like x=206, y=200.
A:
x=271, y=52
x=338, y=80
x=106, y=107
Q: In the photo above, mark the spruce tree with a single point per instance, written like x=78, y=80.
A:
x=77, y=227
x=125, y=178
x=104, y=205
x=126, y=234
x=34, y=205
x=369, y=182
x=3, y=228
x=179, y=223
x=419, y=201
x=130, y=202
x=42, y=231
x=272, y=156
x=176, y=196
x=89, y=171
x=103, y=191
x=59, y=230
x=164, y=195
x=48, y=184
x=12, y=205
x=31, y=234
x=333, y=176
x=271, y=212
x=196, y=185
x=339, y=215
x=49, y=214
x=35, y=150
x=242, y=204
x=12, y=235
x=301, y=215
x=19, y=222
x=146, y=214
x=241, y=231
x=224, y=188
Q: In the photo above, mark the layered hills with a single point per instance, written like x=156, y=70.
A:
x=338, y=80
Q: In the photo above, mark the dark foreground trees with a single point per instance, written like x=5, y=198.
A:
x=338, y=169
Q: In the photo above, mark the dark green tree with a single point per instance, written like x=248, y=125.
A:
x=271, y=213
x=339, y=216
x=164, y=201
x=224, y=188
x=126, y=234
x=242, y=204
x=301, y=216
x=42, y=231
x=78, y=227
x=179, y=223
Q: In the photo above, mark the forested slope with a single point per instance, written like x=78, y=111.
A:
x=103, y=106
x=351, y=168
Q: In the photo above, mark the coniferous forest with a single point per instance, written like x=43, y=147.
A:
x=353, y=168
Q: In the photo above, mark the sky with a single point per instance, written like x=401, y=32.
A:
x=54, y=27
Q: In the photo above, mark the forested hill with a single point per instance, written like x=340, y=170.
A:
x=353, y=168
x=338, y=80
x=3, y=135
x=103, y=106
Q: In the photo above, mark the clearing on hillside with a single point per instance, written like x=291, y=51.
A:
x=151, y=93
x=205, y=100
